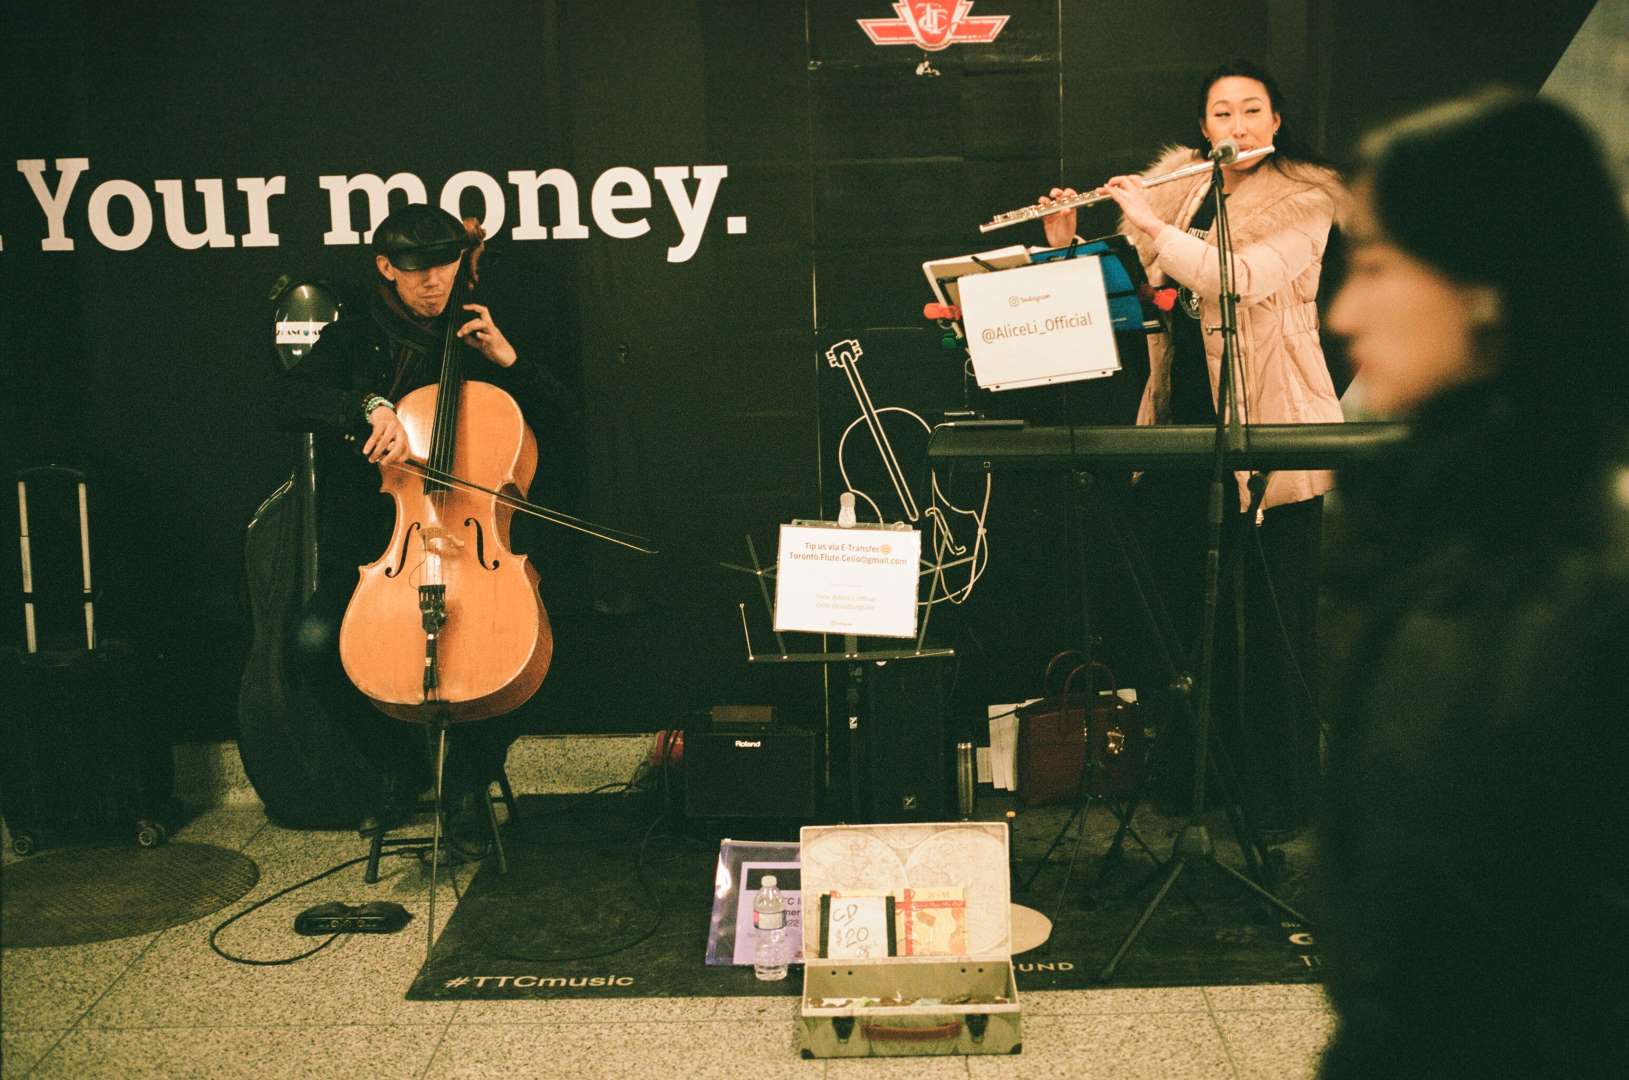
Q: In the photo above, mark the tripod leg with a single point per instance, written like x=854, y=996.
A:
x=1117, y=847
x=1137, y=836
x=1159, y=868
x=1080, y=837
x=1080, y=805
x=1153, y=875
x=1116, y=852
x=1047, y=857
x=1249, y=844
x=1241, y=833
x=1265, y=895
x=497, y=838
x=1186, y=895
x=508, y=792
x=1174, y=872
x=1125, y=814
x=435, y=840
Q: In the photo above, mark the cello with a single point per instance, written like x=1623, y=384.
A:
x=447, y=624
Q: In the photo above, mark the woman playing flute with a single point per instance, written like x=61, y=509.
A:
x=1280, y=210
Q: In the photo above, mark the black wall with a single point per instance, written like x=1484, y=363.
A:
x=696, y=403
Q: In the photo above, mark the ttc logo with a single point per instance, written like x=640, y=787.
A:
x=934, y=25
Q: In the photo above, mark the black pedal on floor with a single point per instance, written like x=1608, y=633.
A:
x=334, y=917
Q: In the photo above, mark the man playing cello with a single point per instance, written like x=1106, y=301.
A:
x=363, y=363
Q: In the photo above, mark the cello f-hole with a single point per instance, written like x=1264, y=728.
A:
x=401, y=556
x=480, y=544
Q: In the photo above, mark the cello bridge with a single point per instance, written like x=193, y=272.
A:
x=440, y=541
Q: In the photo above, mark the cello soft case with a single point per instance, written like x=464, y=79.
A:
x=293, y=734
x=85, y=757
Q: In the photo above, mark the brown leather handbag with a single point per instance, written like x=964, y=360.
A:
x=1060, y=734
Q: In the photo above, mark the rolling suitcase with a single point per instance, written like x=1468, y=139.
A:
x=81, y=758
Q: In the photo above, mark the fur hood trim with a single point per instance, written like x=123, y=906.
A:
x=1276, y=195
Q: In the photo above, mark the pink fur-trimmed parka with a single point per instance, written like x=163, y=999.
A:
x=1280, y=216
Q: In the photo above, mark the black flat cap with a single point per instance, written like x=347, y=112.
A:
x=419, y=236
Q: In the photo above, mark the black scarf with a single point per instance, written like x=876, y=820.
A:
x=413, y=340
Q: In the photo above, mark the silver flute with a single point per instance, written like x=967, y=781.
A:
x=1037, y=210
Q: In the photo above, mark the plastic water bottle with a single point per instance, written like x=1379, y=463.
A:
x=769, y=922
x=845, y=510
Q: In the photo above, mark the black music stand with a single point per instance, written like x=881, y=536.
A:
x=1129, y=299
x=853, y=657
x=1126, y=297
x=1124, y=281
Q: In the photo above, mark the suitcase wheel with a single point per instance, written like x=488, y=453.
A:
x=150, y=834
x=24, y=844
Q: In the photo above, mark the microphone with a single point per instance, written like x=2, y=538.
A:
x=1226, y=152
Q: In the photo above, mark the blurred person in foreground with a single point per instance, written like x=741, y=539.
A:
x=1477, y=880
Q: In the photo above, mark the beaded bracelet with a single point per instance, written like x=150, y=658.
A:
x=372, y=402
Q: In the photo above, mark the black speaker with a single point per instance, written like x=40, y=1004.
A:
x=751, y=772
x=907, y=756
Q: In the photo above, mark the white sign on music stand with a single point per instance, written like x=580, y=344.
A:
x=860, y=580
x=1038, y=324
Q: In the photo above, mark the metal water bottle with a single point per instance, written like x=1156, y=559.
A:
x=965, y=775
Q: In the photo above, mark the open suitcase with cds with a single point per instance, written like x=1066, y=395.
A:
x=943, y=981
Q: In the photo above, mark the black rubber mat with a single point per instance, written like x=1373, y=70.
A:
x=73, y=896
x=603, y=899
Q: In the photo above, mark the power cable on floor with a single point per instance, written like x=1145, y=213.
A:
x=258, y=904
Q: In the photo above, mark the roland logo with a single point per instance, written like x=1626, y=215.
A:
x=749, y=744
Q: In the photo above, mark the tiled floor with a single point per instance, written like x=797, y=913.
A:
x=164, y=1005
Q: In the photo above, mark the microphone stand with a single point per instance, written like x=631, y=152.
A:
x=1193, y=844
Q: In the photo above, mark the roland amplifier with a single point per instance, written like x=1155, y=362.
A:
x=751, y=772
